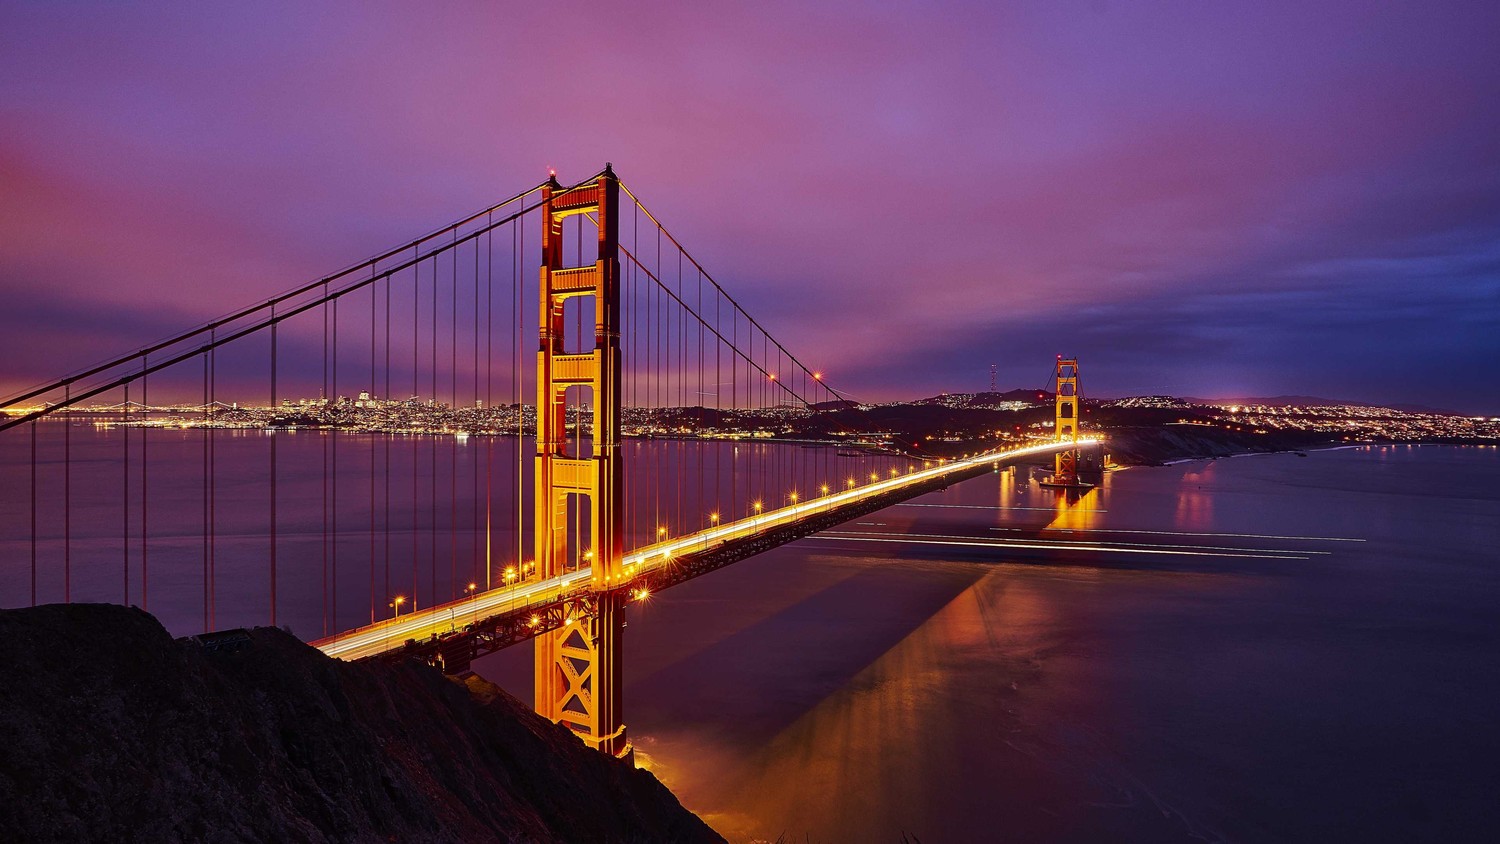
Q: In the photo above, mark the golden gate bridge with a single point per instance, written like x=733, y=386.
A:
x=634, y=340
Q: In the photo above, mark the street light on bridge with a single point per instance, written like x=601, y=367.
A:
x=472, y=590
x=395, y=604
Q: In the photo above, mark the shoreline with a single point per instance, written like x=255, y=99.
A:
x=1304, y=451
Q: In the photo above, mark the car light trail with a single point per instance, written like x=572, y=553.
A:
x=1288, y=555
x=1074, y=543
x=1197, y=533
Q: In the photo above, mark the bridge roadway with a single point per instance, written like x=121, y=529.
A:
x=499, y=617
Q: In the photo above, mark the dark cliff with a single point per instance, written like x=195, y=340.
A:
x=110, y=730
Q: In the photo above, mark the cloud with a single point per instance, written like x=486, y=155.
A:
x=895, y=190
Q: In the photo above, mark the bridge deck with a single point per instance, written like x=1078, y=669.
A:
x=495, y=618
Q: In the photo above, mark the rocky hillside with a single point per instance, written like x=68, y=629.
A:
x=1140, y=446
x=110, y=730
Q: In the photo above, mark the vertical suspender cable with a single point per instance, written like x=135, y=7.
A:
x=627, y=380
x=681, y=397
x=274, y=437
x=489, y=402
x=213, y=485
x=734, y=397
x=145, y=464
x=718, y=398
x=334, y=436
x=125, y=501
x=369, y=410
x=432, y=451
x=632, y=518
x=33, y=512
x=518, y=252
x=416, y=347
x=656, y=377
x=453, y=440
x=385, y=438
x=700, y=403
x=478, y=417
x=433, y=448
x=67, y=496
x=204, y=437
x=323, y=440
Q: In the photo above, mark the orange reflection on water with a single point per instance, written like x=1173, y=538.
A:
x=1075, y=509
x=947, y=734
x=1009, y=488
x=878, y=753
x=1195, y=505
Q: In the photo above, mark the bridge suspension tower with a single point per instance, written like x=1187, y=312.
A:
x=1065, y=470
x=578, y=667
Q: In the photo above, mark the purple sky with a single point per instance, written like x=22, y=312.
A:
x=1199, y=198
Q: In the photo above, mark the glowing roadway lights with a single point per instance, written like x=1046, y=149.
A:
x=378, y=638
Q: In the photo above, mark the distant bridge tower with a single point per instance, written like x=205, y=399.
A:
x=578, y=667
x=1066, y=471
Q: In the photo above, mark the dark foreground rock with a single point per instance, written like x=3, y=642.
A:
x=110, y=730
